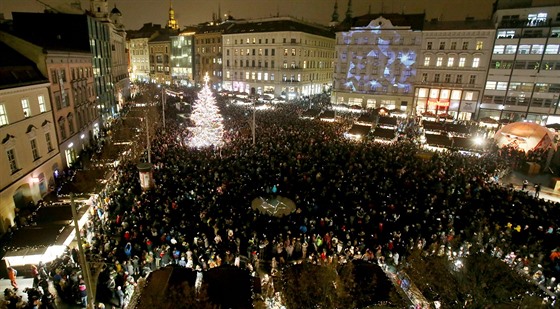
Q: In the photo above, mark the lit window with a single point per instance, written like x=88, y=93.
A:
x=26, y=108
x=450, y=61
x=427, y=61
x=475, y=62
x=3, y=115
x=499, y=49
x=462, y=61
x=479, y=45
x=42, y=105
x=439, y=61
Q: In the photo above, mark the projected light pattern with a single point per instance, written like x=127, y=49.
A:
x=380, y=57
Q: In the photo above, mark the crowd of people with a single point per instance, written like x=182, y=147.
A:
x=354, y=200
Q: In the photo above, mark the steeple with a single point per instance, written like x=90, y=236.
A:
x=334, y=18
x=172, y=23
x=99, y=8
x=349, y=11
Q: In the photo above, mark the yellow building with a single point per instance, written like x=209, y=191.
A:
x=29, y=155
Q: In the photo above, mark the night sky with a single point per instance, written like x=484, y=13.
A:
x=190, y=12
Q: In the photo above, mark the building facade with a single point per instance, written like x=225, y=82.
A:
x=72, y=93
x=278, y=57
x=30, y=160
x=160, y=54
x=376, y=61
x=208, y=53
x=452, y=67
x=182, y=60
x=139, y=53
x=522, y=82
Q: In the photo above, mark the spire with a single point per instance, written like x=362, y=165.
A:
x=349, y=10
x=172, y=23
x=334, y=18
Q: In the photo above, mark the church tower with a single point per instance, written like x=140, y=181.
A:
x=99, y=8
x=348, y=12
x=172, y=22
x=116, y=16
x=334, y=20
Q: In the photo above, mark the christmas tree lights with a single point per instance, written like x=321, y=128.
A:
x=208, y=129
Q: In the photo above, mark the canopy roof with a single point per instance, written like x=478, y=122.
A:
x=524, y=135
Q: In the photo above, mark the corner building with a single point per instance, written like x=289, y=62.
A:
x=279, y=57
x=522, y=82
x=452, y=67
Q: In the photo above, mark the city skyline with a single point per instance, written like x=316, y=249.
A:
x=138, y=12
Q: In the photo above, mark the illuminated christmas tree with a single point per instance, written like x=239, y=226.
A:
x=208, y=127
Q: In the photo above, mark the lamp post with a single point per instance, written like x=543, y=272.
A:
x=163, y=102
x=253, y=127
x=82, y=257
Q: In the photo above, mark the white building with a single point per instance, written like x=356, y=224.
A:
x=278, y=56
x=29, y=156
x=452, y=67
x=522, y=82
x=376, y=59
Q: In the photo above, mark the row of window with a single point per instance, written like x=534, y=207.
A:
x=523, y=86
x=461, y=63
x=527, y=49
x=448, y=78
x=287, y=52
x=285, y=65
x=519, y=101
x=367, y=40
x=26, y=108
x=12, y=158
x=453, y=46
x=525, y=65
x=265, y=76
x=284, y=41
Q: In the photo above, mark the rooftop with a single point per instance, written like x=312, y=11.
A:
x=16, y=70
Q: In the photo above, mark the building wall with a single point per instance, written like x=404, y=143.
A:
x=376, y=65
x=451, y=72
x=119, y=66
x=32, y=174
x=208, y=58
x=181, y=62
x=522, y=82
x=159, y=62
x=139, y=60
x=74, y=107
x=288, y=63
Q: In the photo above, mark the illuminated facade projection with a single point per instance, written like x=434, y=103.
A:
x=375, y=62
x=522, y=81
x=452, y=66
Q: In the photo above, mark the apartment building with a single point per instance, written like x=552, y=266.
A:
x=522, y=82
x=452, y=67
x=29, y=159
x=278, y=56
